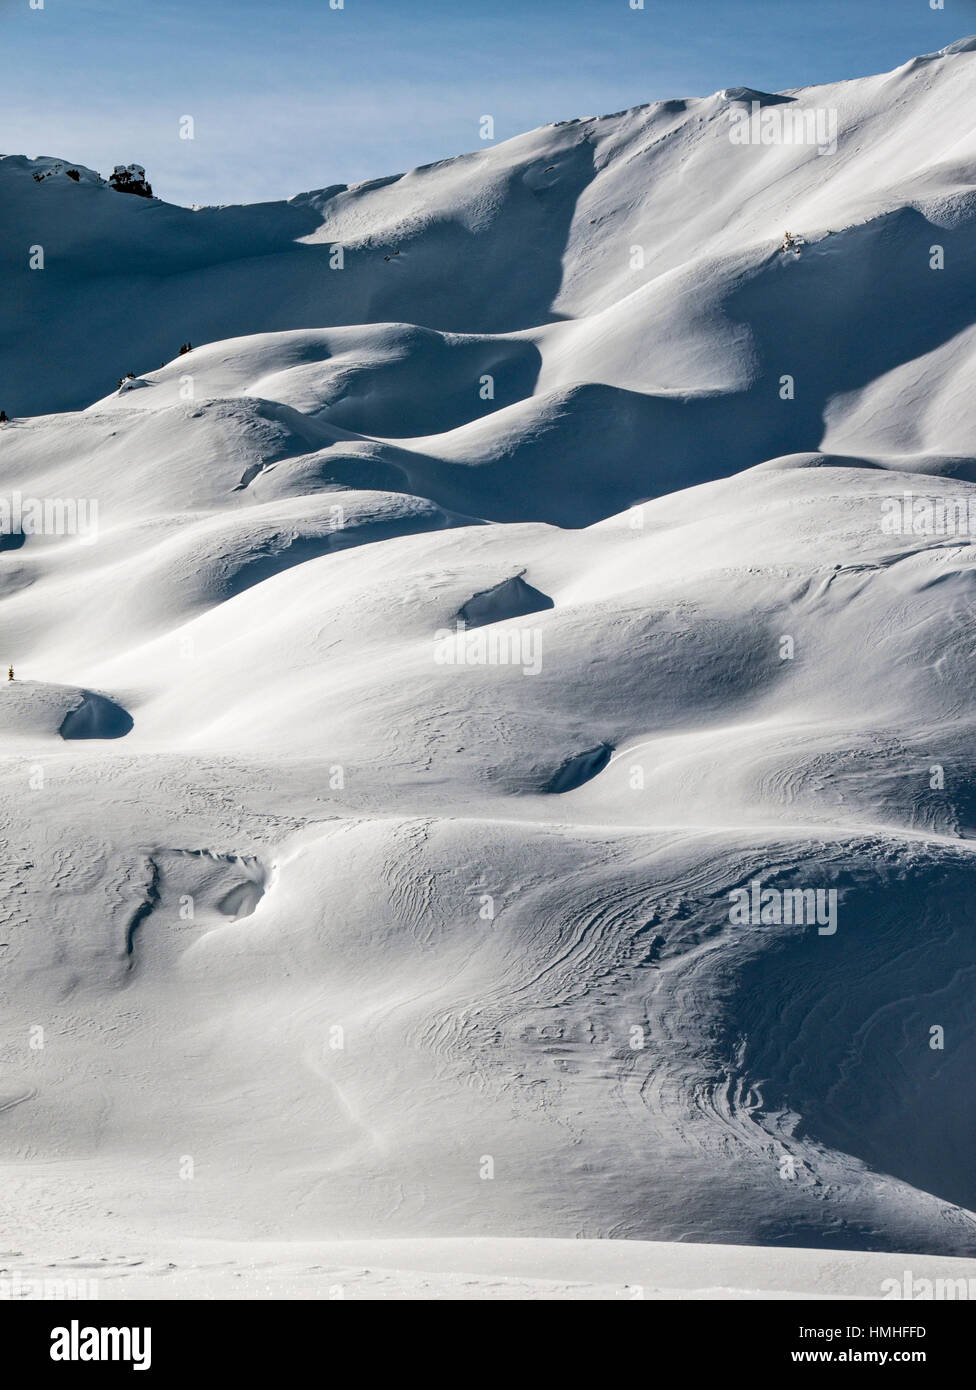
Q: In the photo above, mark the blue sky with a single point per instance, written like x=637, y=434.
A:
x=294, y=94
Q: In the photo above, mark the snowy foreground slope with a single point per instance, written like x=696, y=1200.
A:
x=323, y=920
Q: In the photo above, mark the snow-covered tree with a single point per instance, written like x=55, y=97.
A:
x=131, y=178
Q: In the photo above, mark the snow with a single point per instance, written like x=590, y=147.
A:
x=358, y=966
x=477, y=1268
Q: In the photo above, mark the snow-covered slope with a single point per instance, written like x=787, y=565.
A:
x=341, y=921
